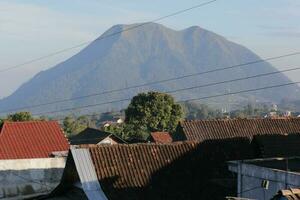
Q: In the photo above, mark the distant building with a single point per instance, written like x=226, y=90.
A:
x=261, y=178
x=161, y=137
x=114, y=122
x=32, y=158
x=95, y=136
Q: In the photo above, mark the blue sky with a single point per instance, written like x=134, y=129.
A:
x=34, y=28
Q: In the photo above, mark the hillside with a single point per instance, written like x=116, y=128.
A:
x=149, y=53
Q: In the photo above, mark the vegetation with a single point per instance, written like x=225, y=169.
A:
x=20, y=117
x=201, y=111
x=73, y=125
x=152, y=111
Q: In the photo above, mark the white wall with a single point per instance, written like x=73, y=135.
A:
x=251, y=176
x=22, y=178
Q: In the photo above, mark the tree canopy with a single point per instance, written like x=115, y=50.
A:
x=20, y=116
x=152, y=111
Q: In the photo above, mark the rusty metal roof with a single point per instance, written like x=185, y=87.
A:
x=161, y=137
x=202, y=130
x=33, y=139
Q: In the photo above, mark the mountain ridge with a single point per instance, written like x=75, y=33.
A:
x=145, y=54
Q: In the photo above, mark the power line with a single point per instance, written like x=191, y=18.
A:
x=107, y=36
x=187, y=100
x=153, y=82
x=241, y=91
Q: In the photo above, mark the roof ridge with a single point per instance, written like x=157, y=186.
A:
x=141, y=144
x=30, y=121
x=241, y=119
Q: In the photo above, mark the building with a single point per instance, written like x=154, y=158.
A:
x=161, y=137
x=140, y=171
x=31, y=158
x=203, y=130
x=95, y=136
x=262, y=178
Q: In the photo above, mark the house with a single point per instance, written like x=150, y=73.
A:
x=139, y=171
x=95, y=136
x=161, y=137
x=32, y=158
x=262, y=178
x=202, y=130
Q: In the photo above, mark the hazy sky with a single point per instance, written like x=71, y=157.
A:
x=34, y=28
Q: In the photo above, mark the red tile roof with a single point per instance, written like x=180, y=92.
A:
x=34, y=139
x=161, y=137
x=202, y=130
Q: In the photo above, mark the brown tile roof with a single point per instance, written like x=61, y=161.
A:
x=161, y=137
x=33, y=139
x=202, y=130
x=126, y=170
x=277, y=145
x=179, y=170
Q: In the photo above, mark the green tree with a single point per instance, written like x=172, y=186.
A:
x=152, y=111
x=73, y=125
x=20, y=116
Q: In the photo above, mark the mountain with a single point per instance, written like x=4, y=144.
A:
x=147, y=54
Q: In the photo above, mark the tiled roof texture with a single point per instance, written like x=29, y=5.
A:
x=202, y=130
x=34, y=139
x=161, y=137
x=124, y=168
x=277, y=145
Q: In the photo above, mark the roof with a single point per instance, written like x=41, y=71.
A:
x=202, y=130
x=93, y=136
x=147, y=171
x=178, y=170
x=277, y=145
x=161, y=137
x=32, y=139
x=288, y=194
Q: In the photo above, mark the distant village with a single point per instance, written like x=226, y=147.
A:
x=225, y=158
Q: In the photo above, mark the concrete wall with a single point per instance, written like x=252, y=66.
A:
x=107, y=140
x=22, y=178
x=251, y=176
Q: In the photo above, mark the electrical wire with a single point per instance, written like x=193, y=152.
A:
x=152, y=83
x=187, y=100
x=106, y=36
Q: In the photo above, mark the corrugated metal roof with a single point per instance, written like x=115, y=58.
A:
x=34, y=139
x=202, y=130
x=87, y=174
x=161, y=137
